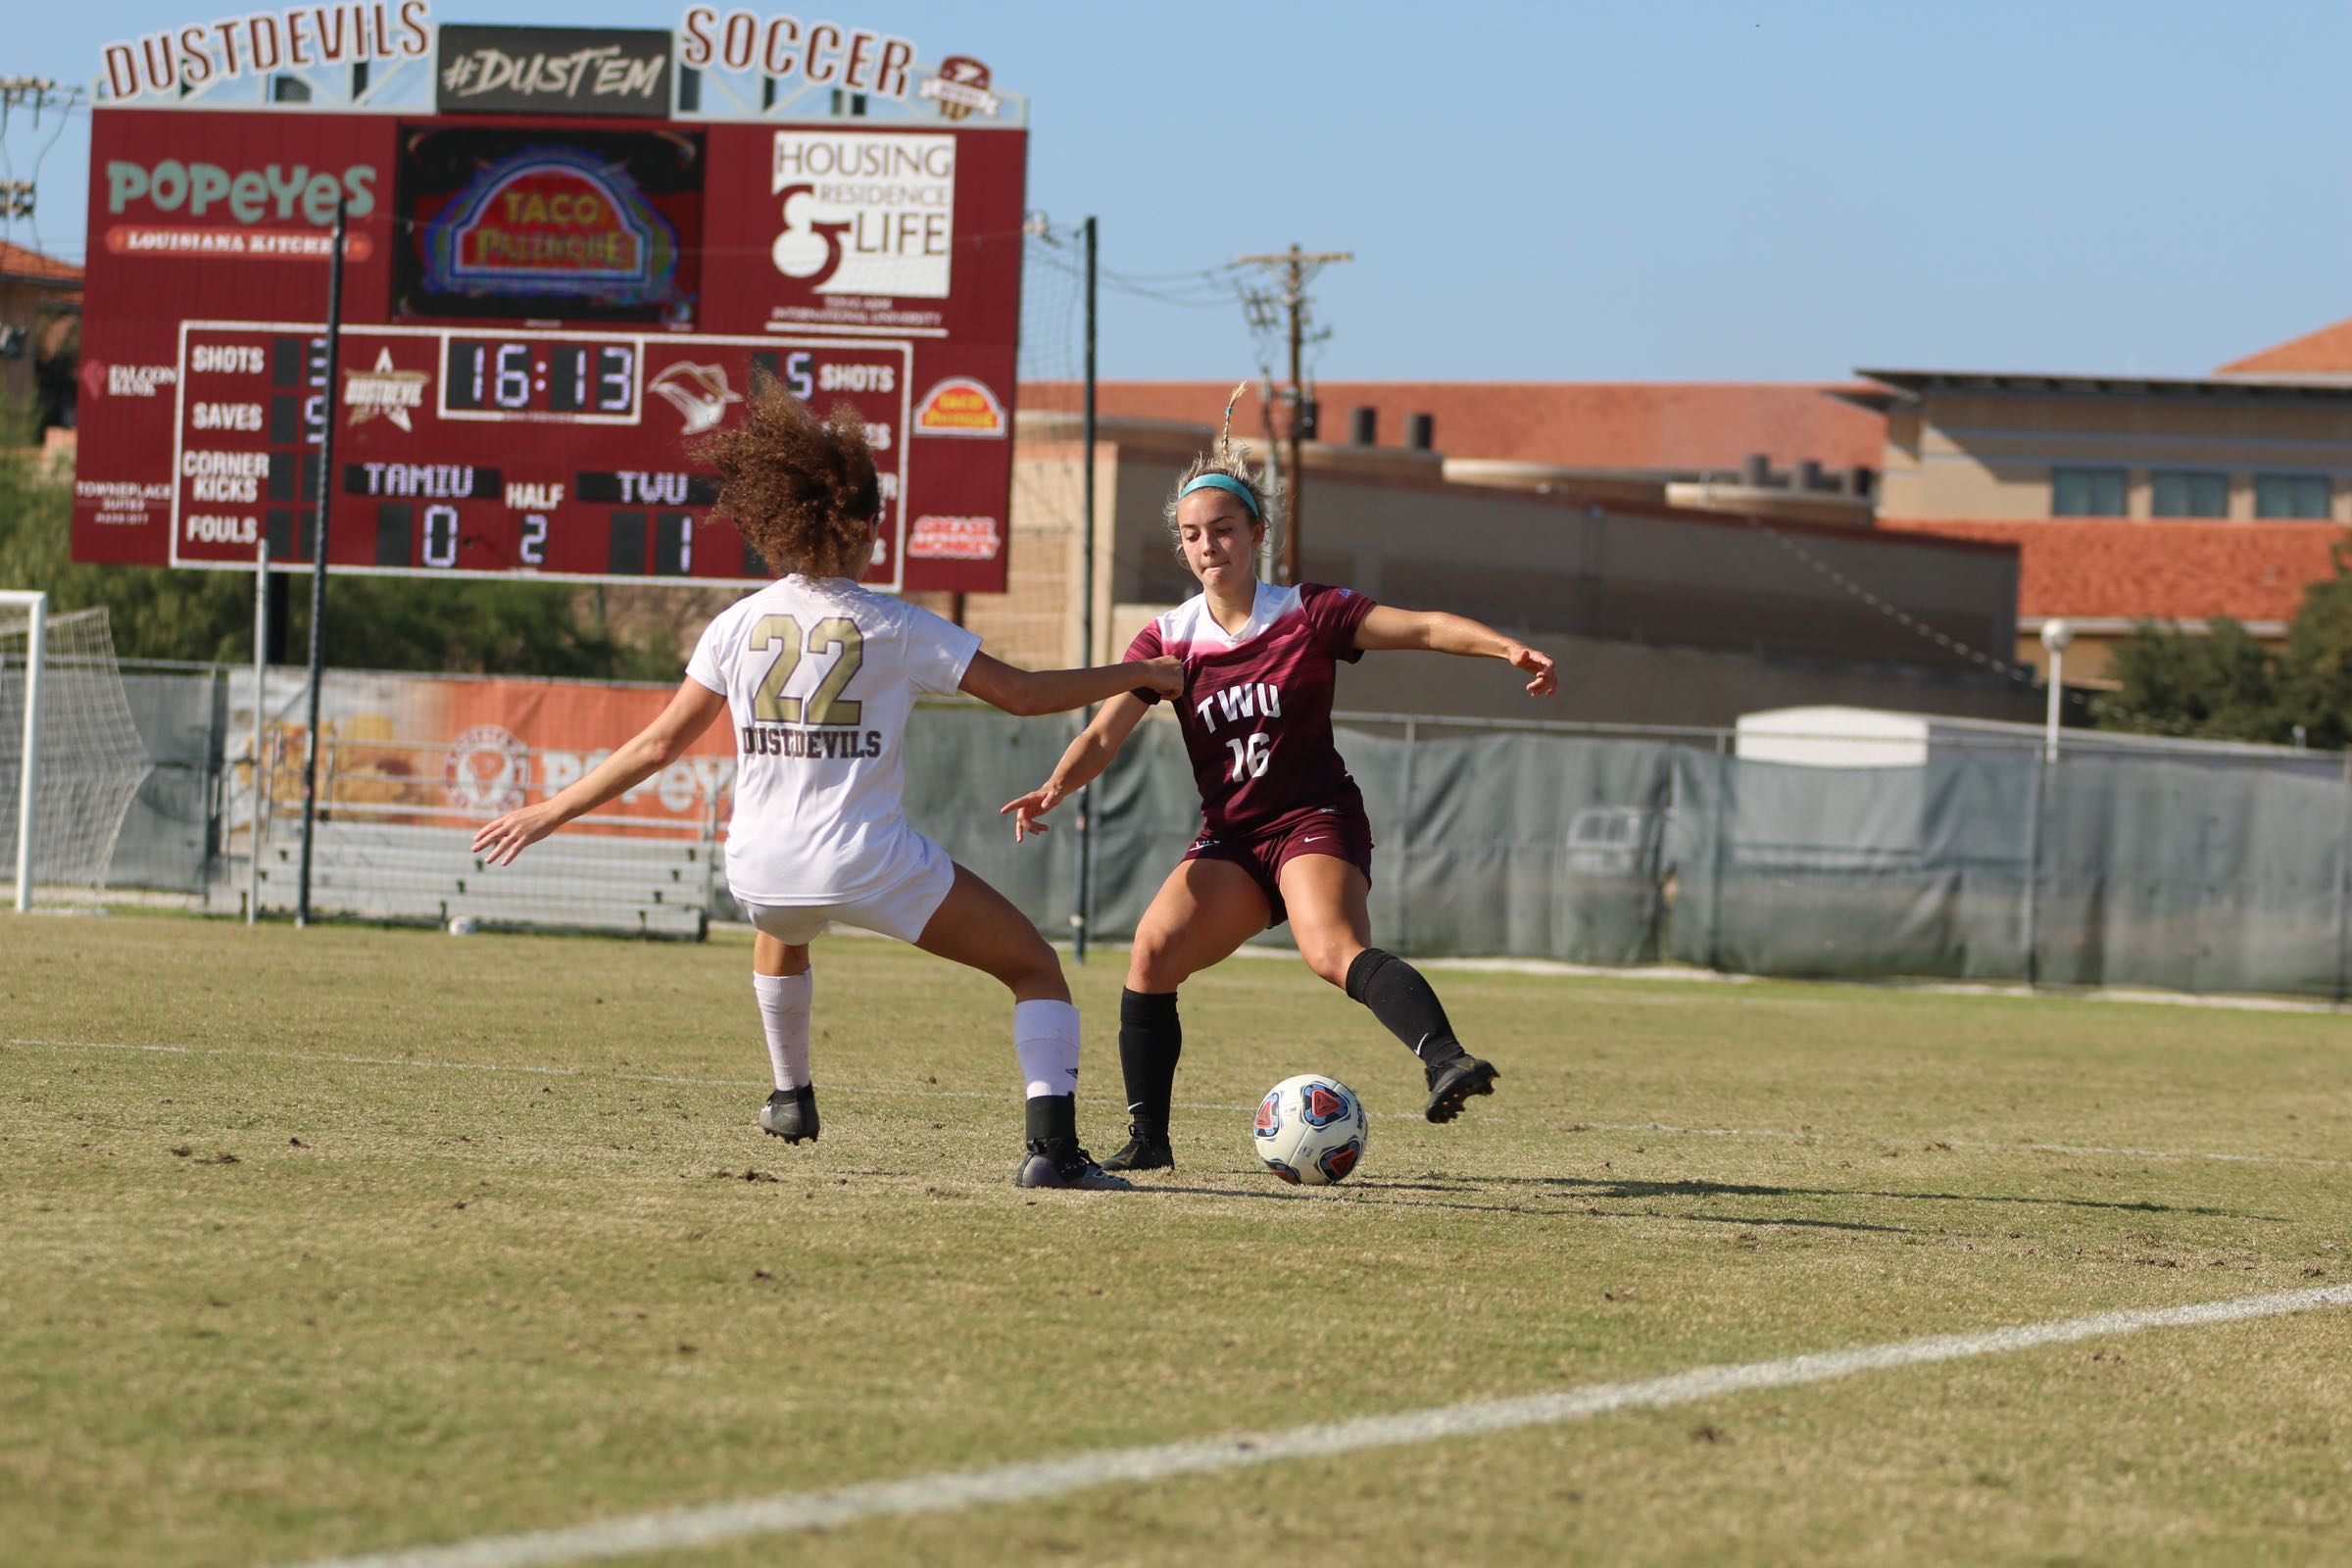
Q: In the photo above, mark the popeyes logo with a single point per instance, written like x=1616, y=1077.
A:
x=954, y=539
x=486, y=771
x=960, y=405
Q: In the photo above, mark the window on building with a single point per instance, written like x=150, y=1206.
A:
x=2290, y=495
x=2087, y=493
x=2189, y=493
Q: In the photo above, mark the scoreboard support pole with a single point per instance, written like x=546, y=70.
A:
x=318, y=536
x=260, y=728
x=1082, y=903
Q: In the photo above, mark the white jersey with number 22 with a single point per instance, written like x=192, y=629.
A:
x=820, y=676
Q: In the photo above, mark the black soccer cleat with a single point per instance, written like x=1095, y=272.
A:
x=1146, y=1150
x=1456, y=1082
x=1064, y=1165
x=790, y=1114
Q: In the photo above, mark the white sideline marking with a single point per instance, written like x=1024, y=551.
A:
x=1973, y=1143
x=952, y=1491
x=853, y=1088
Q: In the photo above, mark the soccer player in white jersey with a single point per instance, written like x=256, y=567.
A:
x=1282, y=832
x=821, y=676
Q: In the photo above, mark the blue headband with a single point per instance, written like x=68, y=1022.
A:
x=1222, y=482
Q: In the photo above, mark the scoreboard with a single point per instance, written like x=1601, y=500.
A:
x=473, y=453
x=542, y=308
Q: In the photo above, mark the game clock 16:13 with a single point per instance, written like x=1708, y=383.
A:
x=543, y=379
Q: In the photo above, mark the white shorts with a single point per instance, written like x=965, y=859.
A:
x=902, y=910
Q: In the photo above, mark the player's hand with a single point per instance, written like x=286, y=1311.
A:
x=1537, y=664
x=1164, y=674
x=501, y=840
x=1029, y=810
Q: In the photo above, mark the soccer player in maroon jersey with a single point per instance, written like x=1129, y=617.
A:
x=1282, y=832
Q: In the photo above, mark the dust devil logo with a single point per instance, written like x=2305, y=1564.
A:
x=961, y=88
x=385, y=391
x=698, y=392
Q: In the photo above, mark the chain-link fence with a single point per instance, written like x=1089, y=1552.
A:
x=2190, y=871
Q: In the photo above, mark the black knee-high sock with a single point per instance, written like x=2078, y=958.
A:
x=1406, y=1005
x=1150, y=1039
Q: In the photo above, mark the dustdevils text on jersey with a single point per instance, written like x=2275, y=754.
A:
x=820, y=676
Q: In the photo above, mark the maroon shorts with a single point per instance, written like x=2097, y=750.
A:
x=1339, y=830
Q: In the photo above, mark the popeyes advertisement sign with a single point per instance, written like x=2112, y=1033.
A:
x=434, y=751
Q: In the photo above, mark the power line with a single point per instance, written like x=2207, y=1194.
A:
x=20, y=198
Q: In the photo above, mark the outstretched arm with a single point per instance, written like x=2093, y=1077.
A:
x=1386, y=626
x=659, y=744
x=1081, y=763
x=1030, y=692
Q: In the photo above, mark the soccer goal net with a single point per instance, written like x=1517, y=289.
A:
x=64, y=797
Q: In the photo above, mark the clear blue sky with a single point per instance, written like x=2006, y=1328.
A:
x=1640, y=189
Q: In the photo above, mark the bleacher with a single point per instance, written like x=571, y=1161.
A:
x=640, y=883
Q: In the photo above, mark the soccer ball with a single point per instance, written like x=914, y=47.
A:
x=1310, y=1129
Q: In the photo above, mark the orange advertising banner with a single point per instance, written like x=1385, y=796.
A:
x=451, y=749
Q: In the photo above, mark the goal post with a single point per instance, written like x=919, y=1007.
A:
x=71, y=756
x=28, y=767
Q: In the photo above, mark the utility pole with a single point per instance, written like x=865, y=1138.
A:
x=1293, y=268
x=17, y=197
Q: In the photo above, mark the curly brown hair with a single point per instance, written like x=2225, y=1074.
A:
x=803, y=491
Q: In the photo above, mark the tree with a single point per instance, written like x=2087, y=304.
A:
x=2316, y=671
x=2225, y=685
x=157, y=613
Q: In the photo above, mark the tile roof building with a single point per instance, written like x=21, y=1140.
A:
x=1695, y=429
x=2133, y=499
x=40, y=313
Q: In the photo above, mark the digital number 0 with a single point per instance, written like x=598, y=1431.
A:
x=440, y=536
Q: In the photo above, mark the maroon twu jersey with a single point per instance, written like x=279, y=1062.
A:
x=1257, y=708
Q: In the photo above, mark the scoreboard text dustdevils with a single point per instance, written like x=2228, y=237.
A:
x=541, y=306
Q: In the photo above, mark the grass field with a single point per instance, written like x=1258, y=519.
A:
x=342, y=1241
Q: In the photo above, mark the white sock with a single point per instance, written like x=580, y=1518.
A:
x=1045, y=1036
x=784, y=1015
